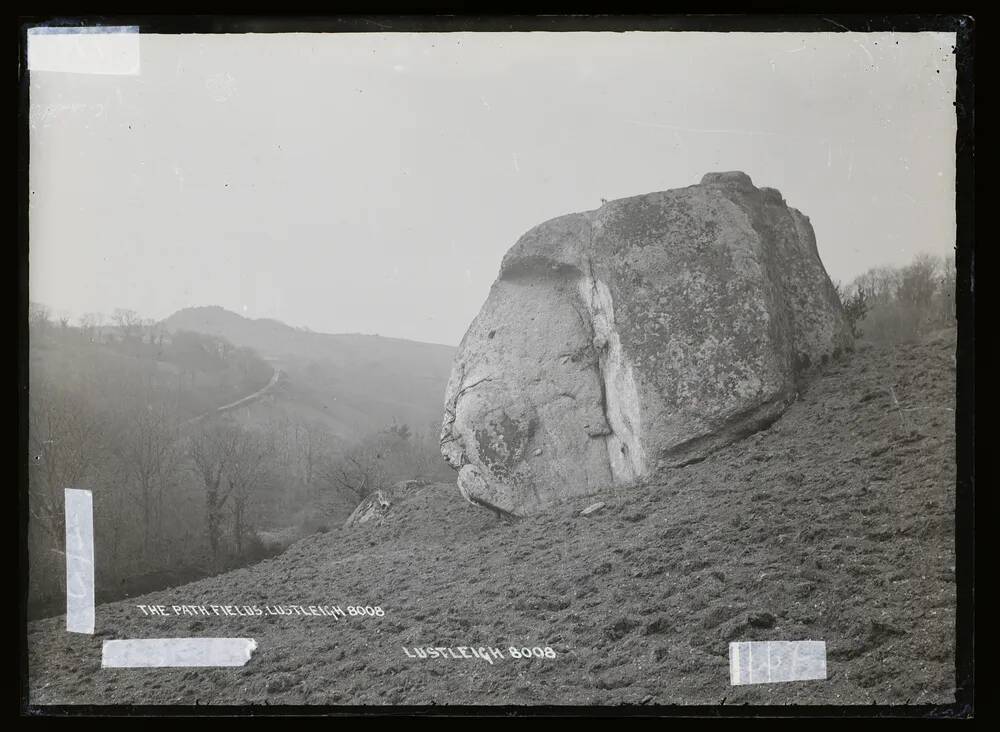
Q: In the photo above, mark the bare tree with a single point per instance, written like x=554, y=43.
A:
x=38, y=317
x=211, y=449
x=232, y=464
x=917, y=289
x=158, y=333
x=90, y=323
x=128, y=322
x=63, y=436
x=946, y=293
x=145, y=447
x=399, y=429
x=357, y=471
x=370, y=465
x=312, y=441
x=854, y=303
x=878, y=285
x=918, y=282
x=247, y=469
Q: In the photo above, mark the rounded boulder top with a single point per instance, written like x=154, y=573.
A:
x=734, y=178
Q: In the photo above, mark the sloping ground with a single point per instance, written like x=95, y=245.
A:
x=353, y=383
x=835, y=524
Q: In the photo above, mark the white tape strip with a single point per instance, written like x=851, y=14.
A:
x=79, y=509
x=767, y=662
x=165, y=652
x=98, y=50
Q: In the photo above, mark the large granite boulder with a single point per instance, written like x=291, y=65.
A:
x=637, y=337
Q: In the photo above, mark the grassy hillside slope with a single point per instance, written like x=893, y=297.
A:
x=354, y=383
x=835, y=524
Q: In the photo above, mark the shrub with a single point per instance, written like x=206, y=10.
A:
x=855, y=304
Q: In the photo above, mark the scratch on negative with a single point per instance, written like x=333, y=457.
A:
x=828, y=20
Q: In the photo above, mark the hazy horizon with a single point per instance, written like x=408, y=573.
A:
x=371, y=183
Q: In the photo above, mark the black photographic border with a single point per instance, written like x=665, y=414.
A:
x=963, y=25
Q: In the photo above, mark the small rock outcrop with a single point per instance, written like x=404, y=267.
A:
x=636, y=337
x=378, y=504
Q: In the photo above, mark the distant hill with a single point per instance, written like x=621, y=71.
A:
x=190, y=374
x=352, y=382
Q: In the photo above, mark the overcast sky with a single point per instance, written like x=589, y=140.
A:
x=372, y=182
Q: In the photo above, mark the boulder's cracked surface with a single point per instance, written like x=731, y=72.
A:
x=637, y=337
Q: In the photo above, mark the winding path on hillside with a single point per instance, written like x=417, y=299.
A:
x=239, y=402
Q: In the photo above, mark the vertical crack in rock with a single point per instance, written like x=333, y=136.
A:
x=452, y=447
x=620, y=396
x=454, y=454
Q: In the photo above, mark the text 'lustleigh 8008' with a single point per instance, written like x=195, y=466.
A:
x=484, y=653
